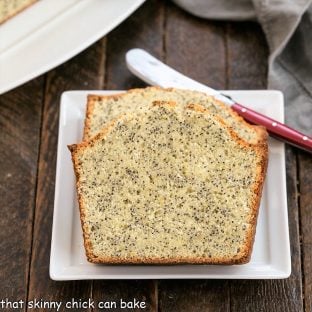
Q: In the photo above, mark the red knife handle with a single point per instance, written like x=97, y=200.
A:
x=275, y=128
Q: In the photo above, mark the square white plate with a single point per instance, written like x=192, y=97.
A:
x=271, y=253
x=50, y=32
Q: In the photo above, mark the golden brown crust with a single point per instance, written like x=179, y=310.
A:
x=261, y=149
x=74, y=149
x=85, y=231
x=91, y=100
x=166, y=261
x=18, y=11
x=90, y=107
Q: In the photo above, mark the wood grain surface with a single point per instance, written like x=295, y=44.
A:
x=196, y=47
x=305, y=204
x=224, y=55
x=20, y=118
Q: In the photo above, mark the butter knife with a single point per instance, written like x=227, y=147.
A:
x=154, y=72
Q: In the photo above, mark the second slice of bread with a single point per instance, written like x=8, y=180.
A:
x=101, y=109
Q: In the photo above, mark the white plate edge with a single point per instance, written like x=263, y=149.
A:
x=35, y=73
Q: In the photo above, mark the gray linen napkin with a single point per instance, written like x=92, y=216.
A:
x=287, y=25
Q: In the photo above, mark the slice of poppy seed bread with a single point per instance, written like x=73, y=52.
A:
x=101, y=109
x=165, y=186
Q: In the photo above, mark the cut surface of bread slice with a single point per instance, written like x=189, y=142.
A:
x=9, y=8
x=101, y=109
x=165, y=186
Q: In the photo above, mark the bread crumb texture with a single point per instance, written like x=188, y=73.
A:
x=104, y=108
x=168, y=186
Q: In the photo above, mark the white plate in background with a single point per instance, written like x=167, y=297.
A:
x=271, y=254
x=50, y=32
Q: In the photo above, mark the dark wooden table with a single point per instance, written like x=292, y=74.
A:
x=224, y=55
